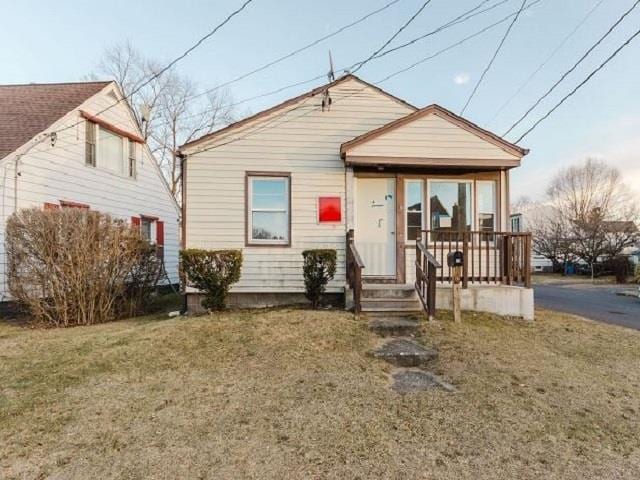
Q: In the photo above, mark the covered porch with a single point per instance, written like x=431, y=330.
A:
x=425, y=186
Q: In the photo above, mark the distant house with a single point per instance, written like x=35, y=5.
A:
x=350, y=167
x=78, y=145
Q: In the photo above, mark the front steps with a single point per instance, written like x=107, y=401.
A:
x=390, y=300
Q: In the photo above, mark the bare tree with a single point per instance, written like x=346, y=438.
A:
x=591, y=198
x=549, y=230
x=174, y=115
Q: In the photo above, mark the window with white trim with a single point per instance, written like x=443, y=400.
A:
x=109, y=150
x=268, y=209
x=486, y=201
x=414, y=207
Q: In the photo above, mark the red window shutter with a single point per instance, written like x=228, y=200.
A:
x=135, y=222
x=159, y=233
x=51, y=206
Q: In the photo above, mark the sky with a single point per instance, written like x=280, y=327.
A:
x=63, y=41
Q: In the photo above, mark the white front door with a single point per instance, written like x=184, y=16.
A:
x=375, y=232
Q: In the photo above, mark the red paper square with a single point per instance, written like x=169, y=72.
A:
x=329, y=209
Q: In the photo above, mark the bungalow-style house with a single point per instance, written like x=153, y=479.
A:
x=350, y=167
x=78, y=145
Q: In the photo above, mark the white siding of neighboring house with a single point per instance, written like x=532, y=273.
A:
x=302, y=140
x=433, y=137
x=53, y=173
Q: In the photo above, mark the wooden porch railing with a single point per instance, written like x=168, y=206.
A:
x=426, y=265
x=354, y=271
x=489, y=257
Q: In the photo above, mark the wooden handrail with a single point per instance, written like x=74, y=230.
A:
x=354, y=271
x=426, y=265
x=489, y=257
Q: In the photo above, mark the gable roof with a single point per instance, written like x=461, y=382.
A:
x=286, y=103
x=26, y=110
x=443, y=113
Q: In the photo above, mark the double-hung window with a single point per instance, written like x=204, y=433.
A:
x=268, y=209
x=414, y=209
x=109, y=150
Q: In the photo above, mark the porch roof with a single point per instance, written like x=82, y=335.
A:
x=432, y=136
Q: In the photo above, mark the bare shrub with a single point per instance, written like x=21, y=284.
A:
x=72, y=267
x=142, y=280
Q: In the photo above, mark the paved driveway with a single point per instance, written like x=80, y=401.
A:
x=597, y=302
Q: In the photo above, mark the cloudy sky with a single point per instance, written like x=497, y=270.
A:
x=62, y=41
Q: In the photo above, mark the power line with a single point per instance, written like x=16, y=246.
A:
x=463, y=17
x=359, y=65
x=297, y=51
x=580, y=85
x=575, y=65
x=398, y=72
x=457, y=20
x=495, y=54
x=169, y=65
x=547, y=60
x=459, y=42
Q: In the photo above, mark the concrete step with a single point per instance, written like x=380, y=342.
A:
x=387, y=326
x=383, y=290
x=408, y=380
x=404, y=352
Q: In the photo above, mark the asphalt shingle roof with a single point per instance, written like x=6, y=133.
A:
x=26, y=110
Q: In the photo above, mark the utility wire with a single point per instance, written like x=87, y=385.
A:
x=272, y=122
x=580, y=85
x=458, y=20
x=495, y=54
x=297, y=51
x=546, y=61
x=575, y=65
x=459, y=42
x=168, y=66
x=361, y=64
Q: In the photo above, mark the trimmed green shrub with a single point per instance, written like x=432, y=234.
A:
x=319, y=268
x=213, y=272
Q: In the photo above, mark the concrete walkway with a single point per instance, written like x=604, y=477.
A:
x=596, y=302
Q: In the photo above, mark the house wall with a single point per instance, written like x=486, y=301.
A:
x=53, y=173
x=431, y=137
x=303, y=141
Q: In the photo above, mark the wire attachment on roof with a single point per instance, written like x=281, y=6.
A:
x=326, y=100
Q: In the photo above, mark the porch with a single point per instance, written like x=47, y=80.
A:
x=496, y=275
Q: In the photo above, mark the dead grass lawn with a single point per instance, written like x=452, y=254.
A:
x=291, y=394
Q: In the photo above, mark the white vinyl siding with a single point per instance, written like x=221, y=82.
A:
x=54, y=173
x=431, y=137
x=301, y=140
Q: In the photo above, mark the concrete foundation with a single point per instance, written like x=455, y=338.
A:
x=499, y=299
x=264, y=300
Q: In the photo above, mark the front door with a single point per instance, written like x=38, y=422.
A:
x=375, y=234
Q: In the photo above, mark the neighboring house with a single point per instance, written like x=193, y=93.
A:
x=96, y=159
x=539, y=263
x=350, y=156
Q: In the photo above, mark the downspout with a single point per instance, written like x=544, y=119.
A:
x=183, y=225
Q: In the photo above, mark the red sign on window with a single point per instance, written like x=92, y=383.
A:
x=329, y=209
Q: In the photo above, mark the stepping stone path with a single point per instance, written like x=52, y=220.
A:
x=401, y=350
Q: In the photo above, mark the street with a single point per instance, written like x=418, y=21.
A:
x=596, y=302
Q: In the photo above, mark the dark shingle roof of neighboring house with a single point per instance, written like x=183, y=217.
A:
x=26, y=110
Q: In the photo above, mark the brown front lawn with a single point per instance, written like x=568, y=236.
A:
x=292, y=394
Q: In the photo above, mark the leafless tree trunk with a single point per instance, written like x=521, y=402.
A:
x=176, y=114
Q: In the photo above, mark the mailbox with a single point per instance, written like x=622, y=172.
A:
x=455, y=259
